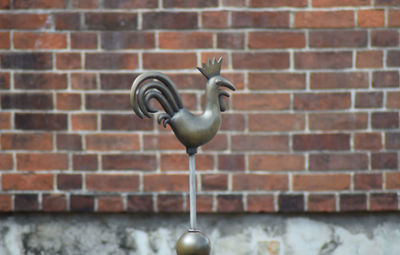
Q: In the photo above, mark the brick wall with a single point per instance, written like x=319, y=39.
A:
x=313, y=125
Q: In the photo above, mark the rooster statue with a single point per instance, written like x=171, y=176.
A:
x=191, y=130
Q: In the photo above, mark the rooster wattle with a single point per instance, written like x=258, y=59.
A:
x=191, y=130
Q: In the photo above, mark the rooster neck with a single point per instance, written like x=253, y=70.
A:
x=212, y=102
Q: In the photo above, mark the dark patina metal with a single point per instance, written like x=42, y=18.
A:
x=193, y=243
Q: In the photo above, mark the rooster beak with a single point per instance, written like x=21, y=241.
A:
x=225, y=83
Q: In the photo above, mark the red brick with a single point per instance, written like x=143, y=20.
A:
x=171, y=182
x=179, y=162
x=169, y=20
x=387, y=2
x=353, y=202
x=83, y=40
x=260, y=182
x=231, y=40
x=5, y=120
x=231, y=162
x=367, y=141
x=124, y=122
x=170, y=203
x=44, y=40
x=393, y=180
x=112, y=182
x=338, y=121
x=384, y=160
x=26, y=60
x=161, y=142
x=88, y=4
x=385, y=120
x=291, y=203
x=323, y=60
x=385, y=79
x=127, y=40
x=367, y=181
x=369, y=59
x=393, y=57
x=27, y=141
x=24, y=21
x=214, y=19
x=392, y=141
x=39, y=4
x=371, y=18
x=321, y=182
x=324, y=19
x=84, y=162
x=45, y=81
x=329, y=39
x=5, y=203
x=110, y=204
x=234, y=3
x=214, y=182
x=5, y=4
x=82, y=203
x=44, y=161
x=338, y=3
x=321, y=142
x=204, y=203
x=218, y=143
x=69, y=142
x=69, y=181
x=169, y=60
x=54, y=203
x=394, y=18
x=321, y=203
x=6, y=161
x=68, y=61
x=229, y=203
x=140, y=203
x=321, y=101
x=272, y=81
x=276, y=162
x=68, y=101
x=275, y=60
x=247, y=19
x=280, y=3
x=26, y=203
x=185, y=40
x=107, y=142
x=84, y=121
x=118, y=81
x=280, y=40
x=27, y=181
x=383, y=202
x=369, y=99
x=258, y=101
x=67, y=21
x=260, y=203
x=4, y=80
x=132, y=162
x=276, y=122
x=384, y=38
x=232, y=121
x=349, y=161
x=111, y=61
x=339, y=80
x=260, y=143
x=107, y=101
x=4, y=40
x=189, y=4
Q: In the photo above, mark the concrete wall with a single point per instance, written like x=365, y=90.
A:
x=250, y=234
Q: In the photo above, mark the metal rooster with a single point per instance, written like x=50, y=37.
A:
x=191, y=130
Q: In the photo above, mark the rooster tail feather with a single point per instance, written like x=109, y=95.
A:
x=160, y=88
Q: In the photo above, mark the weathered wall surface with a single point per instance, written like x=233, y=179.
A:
x=230, y=234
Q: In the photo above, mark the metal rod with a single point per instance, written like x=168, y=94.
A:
x=192, y=191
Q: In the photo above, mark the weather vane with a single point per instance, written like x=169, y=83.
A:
x=191, y=130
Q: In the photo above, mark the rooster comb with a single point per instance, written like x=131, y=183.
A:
x=212, y=68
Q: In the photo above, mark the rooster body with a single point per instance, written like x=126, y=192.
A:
x=191, y=130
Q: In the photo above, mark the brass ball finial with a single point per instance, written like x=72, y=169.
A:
x=193, y=242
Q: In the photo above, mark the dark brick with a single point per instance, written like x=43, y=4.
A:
x=353, y=202
x=385, y=79
x=140, y=203
x=321, y=142
x=392, y=141
x=69, y=181
x=321, y=101
x=84, y=162
x=369, y=99
x=230, y=203
x=231, y=162
x=132, y=162
x=127, y=40
x=273, y=60
x=384, y=160
x=107, y=102
x=291, y=203
x=170, y=20
x=42, y=81
x=84, y=40
x=323, y=60
x=111, y=81
x=68, y=21
x=26, y=203
x=35, y=4
x=111, y=21
x=27, y=101
x=212, y=182
x=125, y=122
x=27, y=60
x=230, y=40
x=383, y=202
x=130, y=4
x=367, y=181
x=54, y=203
x=83, y=81
x=190, y=3
x=41, y=121
x=170, y=203
x=329, y=39
x=384, y=38
x=111, y=61
x=350, y=161
x=338, y=80
x=393, y=58
x=247, y=19
x=82, y=203
x=385, y=120
x=69, y=142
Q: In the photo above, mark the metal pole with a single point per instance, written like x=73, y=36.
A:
x=192, y=192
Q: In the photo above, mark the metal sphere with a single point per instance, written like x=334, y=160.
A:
x=193, y=243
